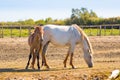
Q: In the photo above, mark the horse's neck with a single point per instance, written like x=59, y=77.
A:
x=36, y=38
x=87, y=44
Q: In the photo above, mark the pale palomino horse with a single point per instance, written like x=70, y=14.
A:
x=67, y=36
x=35, y=43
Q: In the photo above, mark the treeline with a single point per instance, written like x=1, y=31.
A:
x=81, y=16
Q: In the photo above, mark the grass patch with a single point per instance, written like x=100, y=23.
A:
x=15, y=33
x=102, y=32
x=89, y=32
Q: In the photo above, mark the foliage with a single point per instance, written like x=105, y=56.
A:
x=81, y=16
x=40, y=22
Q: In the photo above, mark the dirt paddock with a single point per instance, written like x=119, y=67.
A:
x=14, y=55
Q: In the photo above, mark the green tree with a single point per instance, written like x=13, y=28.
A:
x=21, y=22
x=2, y=23
x=68, y=21
x=29, y=22
x=41, y=21
x=83, y=17
x=48, y=20
x=59, y=22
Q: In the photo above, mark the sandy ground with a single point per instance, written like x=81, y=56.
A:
x=14, y=55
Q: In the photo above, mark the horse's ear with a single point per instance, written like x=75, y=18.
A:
x=34, y=27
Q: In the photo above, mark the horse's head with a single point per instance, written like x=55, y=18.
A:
x=88, y=57
x=87, y=49
x=39, y=32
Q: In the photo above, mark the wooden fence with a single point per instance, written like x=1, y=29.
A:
x=102, y=30
x=11, y=29
x=91, y=30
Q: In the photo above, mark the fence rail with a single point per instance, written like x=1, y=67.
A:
x=91, y=30
x=15, y=31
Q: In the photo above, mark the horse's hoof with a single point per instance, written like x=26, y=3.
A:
x=73, y=67
x=32, y=67
x=26, y=67
x=64, y=66
x=47, y=67
x=38, y=68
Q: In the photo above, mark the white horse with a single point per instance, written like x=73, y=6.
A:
x=67, y=36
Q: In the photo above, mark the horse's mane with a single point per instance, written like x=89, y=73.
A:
x=84, y=37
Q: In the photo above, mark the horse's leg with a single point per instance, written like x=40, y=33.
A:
x=43, y=55
x=30, y=55
x=28, y=61
x=66, y=59
x=37, y=54
x=71, y=54
x=33, y=60
x=71, y=60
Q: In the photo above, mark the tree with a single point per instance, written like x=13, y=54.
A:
x=29, y=22
x=2, y=23
x=83, y=16
x=48, y=20
x=58, y=22
x=93, y=14
x=41, y=21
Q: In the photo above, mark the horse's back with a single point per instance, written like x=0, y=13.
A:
x=57, y=28
x=60, y=35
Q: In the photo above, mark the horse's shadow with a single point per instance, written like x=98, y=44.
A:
x=31, y=70
x=17, y=70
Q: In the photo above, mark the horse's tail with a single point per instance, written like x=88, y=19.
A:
x=84, y=37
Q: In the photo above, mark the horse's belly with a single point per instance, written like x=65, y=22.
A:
x=60, y=40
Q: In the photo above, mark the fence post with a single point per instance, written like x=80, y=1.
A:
x=97, y=30
x=90, y=30
x=111, y=30
x=20, y=31
x=29, y=30
x=100, y=30
x=119, y=30
x=104, y=30
x=2, y=33
x=82, y=27
x=11, y=31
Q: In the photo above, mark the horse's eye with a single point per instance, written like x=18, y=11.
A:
x=41, y=39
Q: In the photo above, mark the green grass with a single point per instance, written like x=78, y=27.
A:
x=102, y=32
x=89, y=32
x=15, y=33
